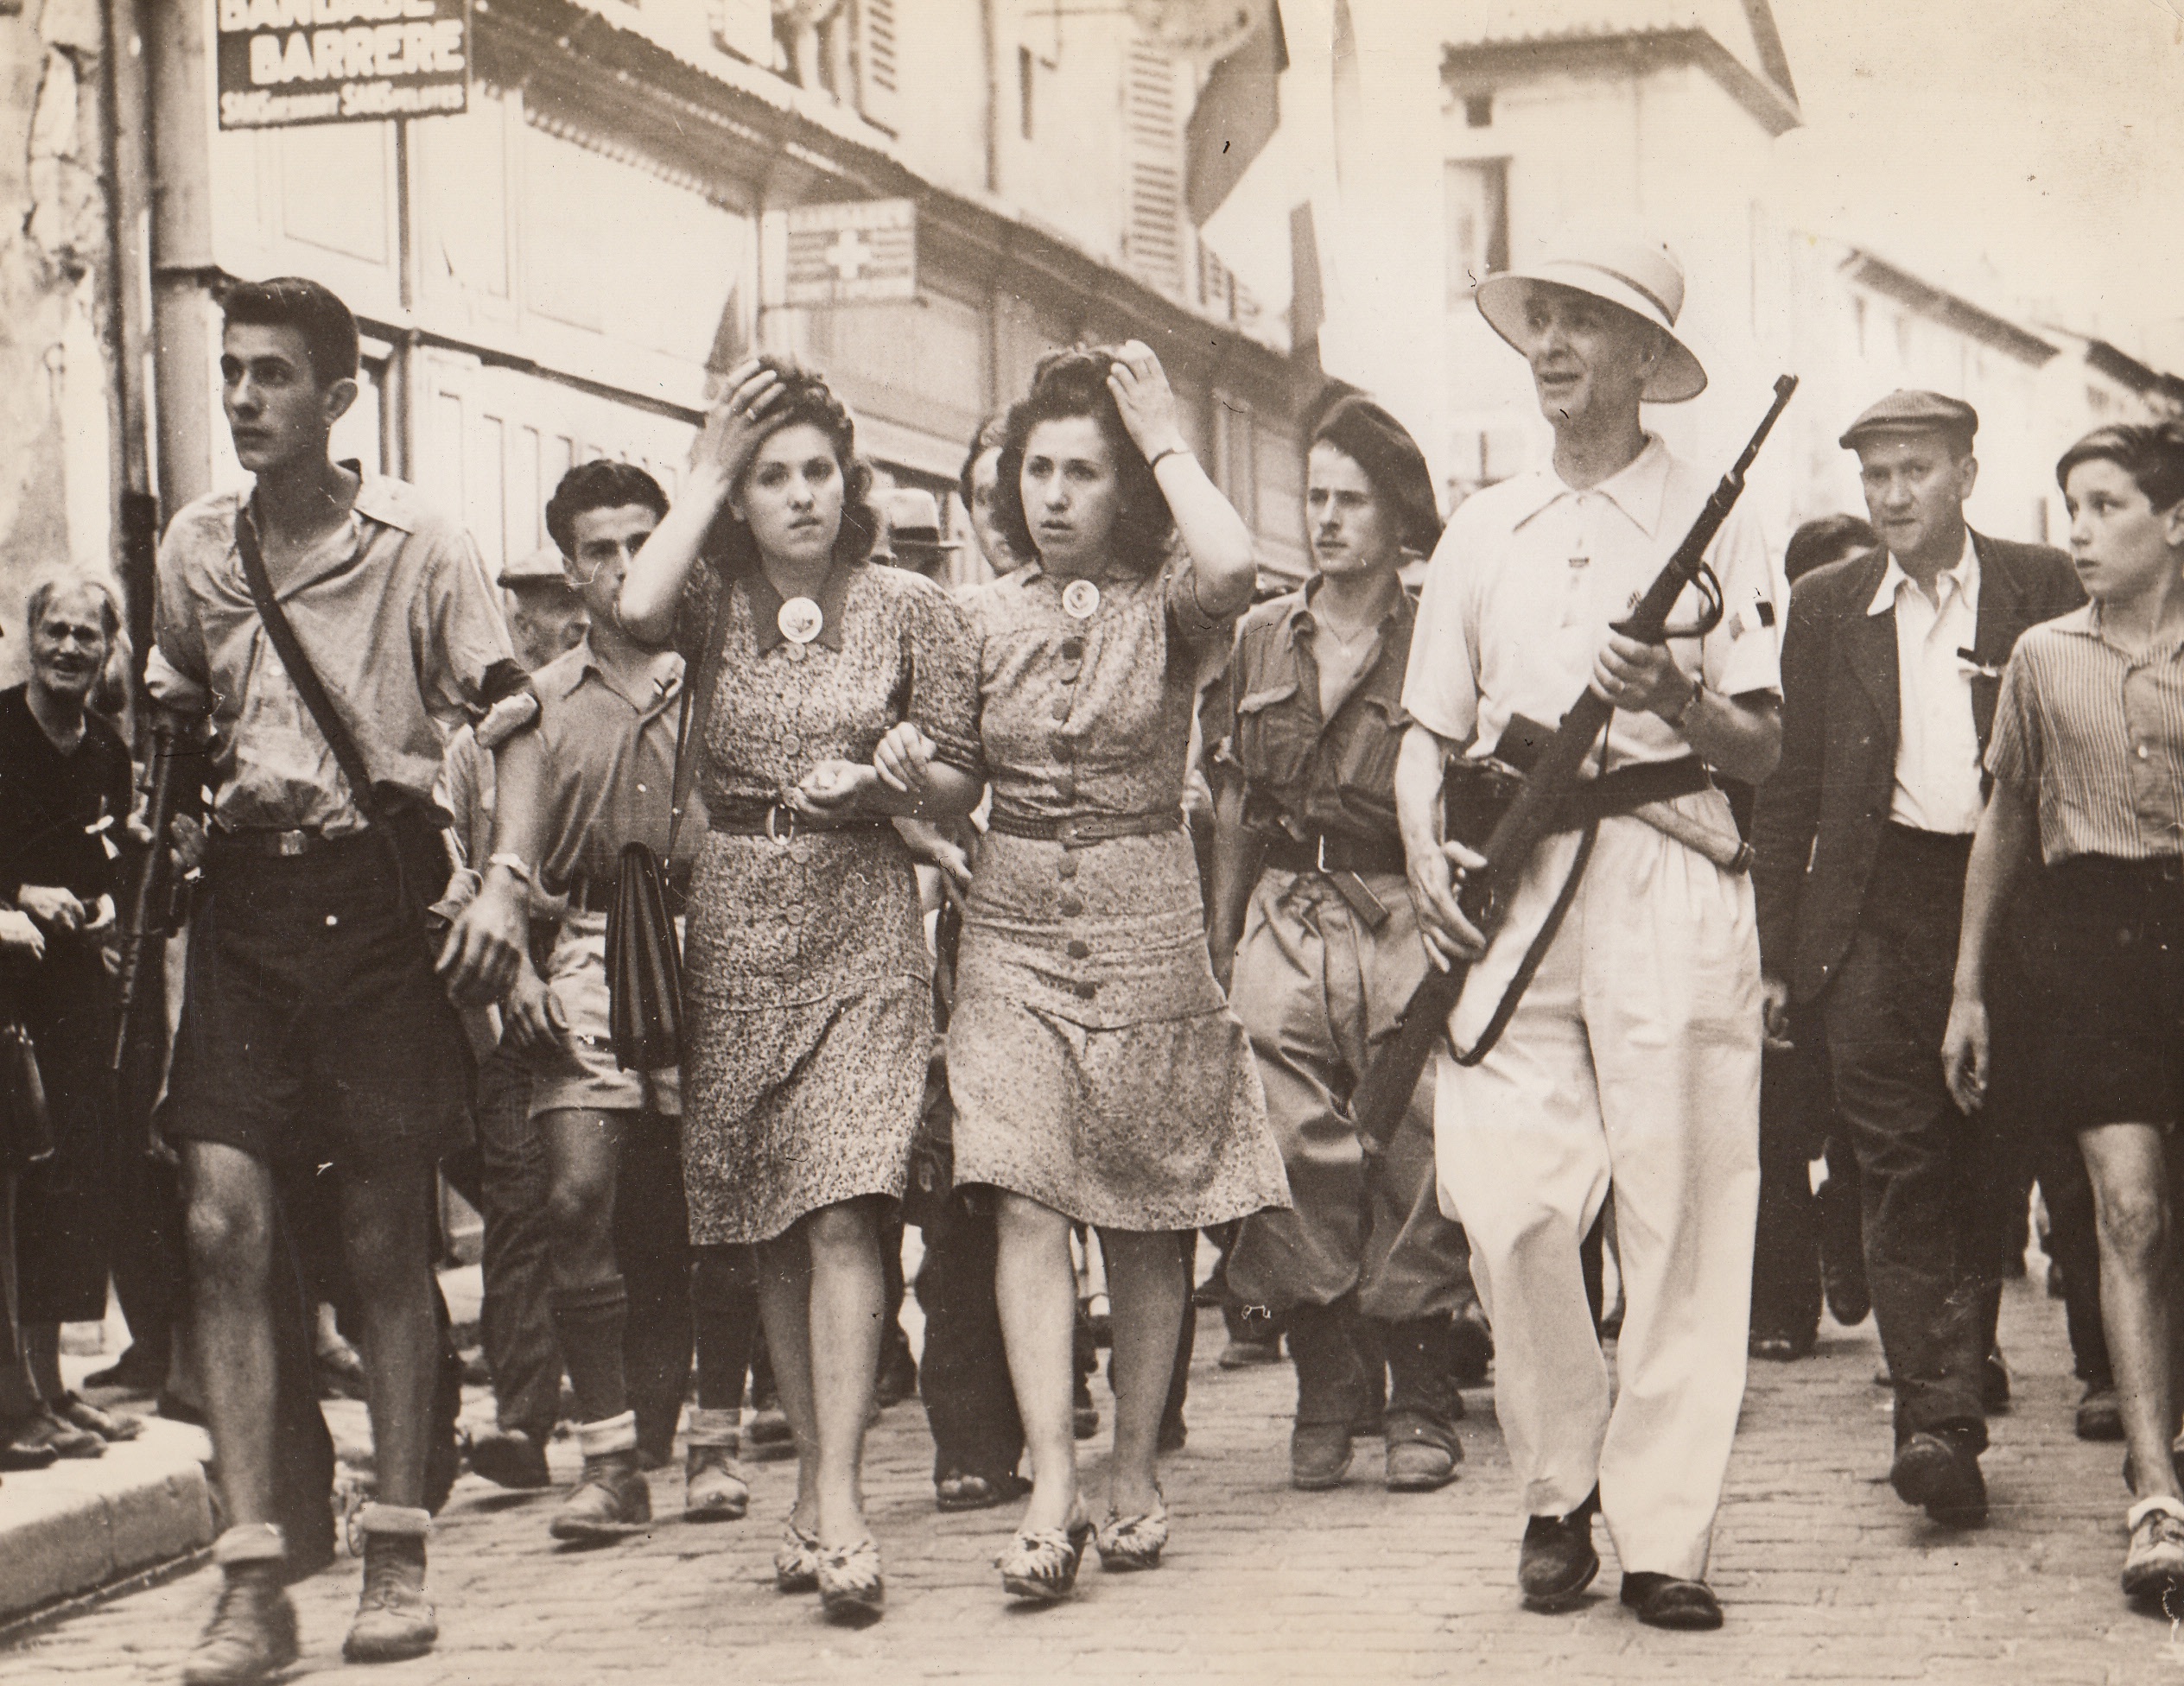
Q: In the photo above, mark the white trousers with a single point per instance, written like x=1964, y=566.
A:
x=1632, y=1064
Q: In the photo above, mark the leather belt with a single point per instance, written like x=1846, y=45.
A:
x=1626, y=788
x=777, y=821
x=1323, y=852
x=1077, y=831
x=278, y=844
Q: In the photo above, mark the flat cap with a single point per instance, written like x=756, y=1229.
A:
x=1905, y=412
x=542, y=564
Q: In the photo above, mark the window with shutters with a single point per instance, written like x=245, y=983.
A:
x=878, y=63
x=1152, y=180
x=1478, y=223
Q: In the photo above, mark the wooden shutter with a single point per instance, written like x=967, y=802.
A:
x=1153, y=182
x=879, y=95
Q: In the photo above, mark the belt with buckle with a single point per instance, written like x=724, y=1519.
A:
x=778, y=822
x=279, y=844
x=1077, y=831
x=1323, y=852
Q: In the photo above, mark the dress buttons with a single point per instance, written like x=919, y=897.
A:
x=1068, y=672
x=1084, y=992
x=1065, y=786
x=1080, y=950
x=1072, y=906
x=1072, y=649
x=1061, y=708
x=1068, y=868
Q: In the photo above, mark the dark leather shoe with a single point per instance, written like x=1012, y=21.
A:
x=1318, y=1456
x=2100, y=1412
x=1557, y=1562
x=1779, y=1349
x=510, y=1458
x=21, y=1449
x=1994, y=1381
x=1663, y=1601
x=1940, y=1471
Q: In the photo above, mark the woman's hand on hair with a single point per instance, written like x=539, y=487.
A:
x=736, y=426
x=1147, y=403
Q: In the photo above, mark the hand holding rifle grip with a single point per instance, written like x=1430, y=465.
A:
x=150, y=917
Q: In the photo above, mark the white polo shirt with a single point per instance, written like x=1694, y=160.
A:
x=1937, y=743
x=1530, y=573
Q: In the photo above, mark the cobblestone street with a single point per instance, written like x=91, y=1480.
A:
x=1823, y=1574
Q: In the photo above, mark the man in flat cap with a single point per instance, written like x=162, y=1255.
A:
x=1631, y=1062
x=1891, y=664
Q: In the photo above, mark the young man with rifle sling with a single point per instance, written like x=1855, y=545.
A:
x=1891, y=664
x=327, y=619
x=1631, y=1062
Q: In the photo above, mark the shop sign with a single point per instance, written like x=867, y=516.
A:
x=282, y=62
x=860, y=251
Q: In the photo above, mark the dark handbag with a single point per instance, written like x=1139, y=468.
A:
x=643, y=957
x=25, y=1122
x=417, y=845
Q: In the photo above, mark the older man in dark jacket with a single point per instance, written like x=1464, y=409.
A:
x=1891, y=665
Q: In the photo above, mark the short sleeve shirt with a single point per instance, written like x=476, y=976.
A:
x=2101, y=732
x=1527, y=577
x=1306, y=774
x=397, y=617
x=892, y=646
x=1091, y=713
x=609, y=761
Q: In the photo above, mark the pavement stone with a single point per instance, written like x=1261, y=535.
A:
x=1824, y=1575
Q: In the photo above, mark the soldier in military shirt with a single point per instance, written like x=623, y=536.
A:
x=1310, y=912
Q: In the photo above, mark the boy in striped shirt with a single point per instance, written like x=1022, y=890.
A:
x=2088, y=760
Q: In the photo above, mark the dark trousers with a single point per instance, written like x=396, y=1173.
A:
x=963, y=1377
x=1936, y=1182
x=1785, y=1255
x=652, y=1245
x=516, y=1320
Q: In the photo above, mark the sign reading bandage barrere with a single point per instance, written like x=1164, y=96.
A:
x=284, y=62
x=860, y=251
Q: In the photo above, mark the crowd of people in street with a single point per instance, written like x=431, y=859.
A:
x=731, y=894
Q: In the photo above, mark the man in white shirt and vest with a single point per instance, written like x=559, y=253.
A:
x=1631, y=1063
x=1891, y=664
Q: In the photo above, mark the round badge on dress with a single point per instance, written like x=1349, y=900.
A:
x=1081, y=598
x=800, y=620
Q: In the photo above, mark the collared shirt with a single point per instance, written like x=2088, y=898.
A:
x=1937, y=743
x=1530, y=573
x=1305, y=771
x=2102, y=731
x=396, y=613
x=609, y=755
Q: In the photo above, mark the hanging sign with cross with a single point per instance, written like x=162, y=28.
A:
x=859, y=251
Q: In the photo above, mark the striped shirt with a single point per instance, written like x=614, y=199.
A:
x=2101, y=730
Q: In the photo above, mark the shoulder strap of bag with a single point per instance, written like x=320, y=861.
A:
x=301, y=673
x=697, y=707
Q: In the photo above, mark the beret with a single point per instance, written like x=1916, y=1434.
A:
x=1905, y=412
x=1383, y=447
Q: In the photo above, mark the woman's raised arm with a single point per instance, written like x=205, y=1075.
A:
x=1224, y=562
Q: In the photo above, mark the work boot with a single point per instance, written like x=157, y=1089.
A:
x=1423, y=1404
x=251, y=1635
x=394, y=1619
x=1332, y=1394
x=611, y=1499
x=714, y=1488
x=510, y=1458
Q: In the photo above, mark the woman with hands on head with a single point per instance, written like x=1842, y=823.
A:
x=845, y=698
x=1098, y=1072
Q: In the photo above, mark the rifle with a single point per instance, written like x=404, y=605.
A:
x=150, y=920
x=1385, y=1095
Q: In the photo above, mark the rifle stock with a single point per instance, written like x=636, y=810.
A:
x=150, y=917
x=1400, y=1061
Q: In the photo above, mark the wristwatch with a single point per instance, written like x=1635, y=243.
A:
x=515, y=865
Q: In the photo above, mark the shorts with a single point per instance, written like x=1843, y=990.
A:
x=312, y=1020
x=2106, y=957
x=584, y=1075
